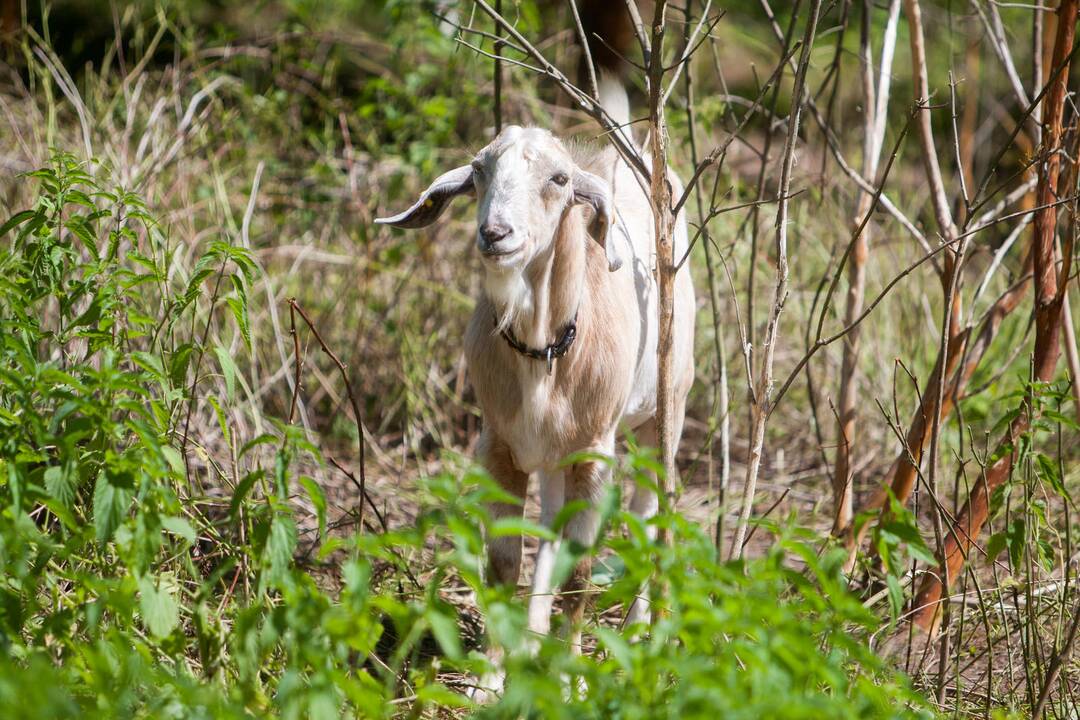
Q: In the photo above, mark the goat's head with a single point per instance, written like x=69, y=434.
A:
x=525, y=181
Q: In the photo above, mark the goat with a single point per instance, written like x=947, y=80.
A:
x=561, y=348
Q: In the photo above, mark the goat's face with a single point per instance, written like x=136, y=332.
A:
x=525, y=181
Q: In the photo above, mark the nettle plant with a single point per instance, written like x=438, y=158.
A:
x=100, y=551
x=128, y=590
x=86, y=404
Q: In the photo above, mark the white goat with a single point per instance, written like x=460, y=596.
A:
x=562, y=346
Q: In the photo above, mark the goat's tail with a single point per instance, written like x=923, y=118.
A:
x=613, y=97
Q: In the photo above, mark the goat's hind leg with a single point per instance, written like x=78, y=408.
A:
x=585, y=481
x=644, y=504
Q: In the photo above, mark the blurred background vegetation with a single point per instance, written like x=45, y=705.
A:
x=281, y=129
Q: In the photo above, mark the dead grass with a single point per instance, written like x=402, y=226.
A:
x=236, y=142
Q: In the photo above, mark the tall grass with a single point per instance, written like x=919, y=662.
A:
x=172, y=544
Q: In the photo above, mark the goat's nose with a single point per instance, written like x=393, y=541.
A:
x=493, y=232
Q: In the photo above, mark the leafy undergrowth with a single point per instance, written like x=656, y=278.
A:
x=146, y=573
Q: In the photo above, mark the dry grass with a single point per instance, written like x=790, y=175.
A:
x=253, y=142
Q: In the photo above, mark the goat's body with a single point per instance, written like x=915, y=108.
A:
x=638, y=219
x=563, y=244
x=533, y=420
x=610, y=375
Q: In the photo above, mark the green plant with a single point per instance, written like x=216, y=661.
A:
x=129, y=590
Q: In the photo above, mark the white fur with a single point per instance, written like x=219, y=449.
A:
x=529, y=413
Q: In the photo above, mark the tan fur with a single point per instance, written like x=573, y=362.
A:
x=581, y=248
x=587, y=389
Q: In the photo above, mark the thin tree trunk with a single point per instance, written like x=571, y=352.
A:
x=1072, y=356
x=970, y=116
x=721, y=396
x=905, y=468
x=663, y=225
x=875, y=106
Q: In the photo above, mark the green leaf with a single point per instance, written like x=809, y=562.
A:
x=1056, y=417
x=318, y=499
x=242, y=490
x=223, y=421
x=160, y=611
x=280, y=544
x=1015, y=541
x=995, y=545
x=150, y=363
x=178, y=363
x=228, y=370
x=445, y=630
x=439, y=695
x=605, y=571
x=81, y=229
x=16, y=219
x=174, y=458
x=240, y=314
x=264, y=439
x=896, y=596
x=1049, y=470
x=908, y=533
x=516, y=525
x=179, y=526
x=60, y=485
x=110, y=506
x=90, y=316
x=618, y=649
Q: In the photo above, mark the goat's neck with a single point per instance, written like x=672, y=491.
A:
x=538, y=302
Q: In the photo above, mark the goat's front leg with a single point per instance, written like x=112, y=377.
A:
x=504, y=553
x=552, y=499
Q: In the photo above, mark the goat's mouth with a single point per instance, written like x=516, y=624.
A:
x=499, y=256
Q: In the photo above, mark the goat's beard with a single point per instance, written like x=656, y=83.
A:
x=510, y=295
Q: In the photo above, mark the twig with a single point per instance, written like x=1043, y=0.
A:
x=1057, y=661
x=357, y=417
x=497, y=74
x=594, y=87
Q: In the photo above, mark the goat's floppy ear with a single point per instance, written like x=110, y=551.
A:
x=594, y=191
x=434, y=200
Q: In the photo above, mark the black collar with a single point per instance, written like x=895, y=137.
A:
x=550, y=353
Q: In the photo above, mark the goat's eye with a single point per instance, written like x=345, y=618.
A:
x=560, y=178
x=477, y=168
